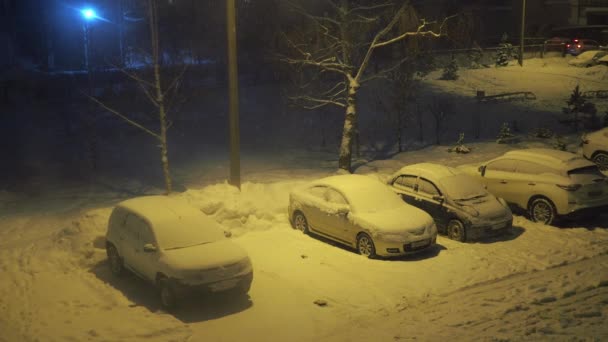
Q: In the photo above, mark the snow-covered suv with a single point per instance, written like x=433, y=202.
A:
x=176, y=247
x=547, y=183
x=595, y=148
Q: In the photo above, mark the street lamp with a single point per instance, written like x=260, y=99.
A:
x=88, y=15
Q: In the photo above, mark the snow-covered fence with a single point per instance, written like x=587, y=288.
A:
x=488, y=54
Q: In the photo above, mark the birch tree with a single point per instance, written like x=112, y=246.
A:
x=345, y=38
x=155, y=92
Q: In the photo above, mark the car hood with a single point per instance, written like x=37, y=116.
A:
x=489, y=209
x=399, y=220
x=203, y=256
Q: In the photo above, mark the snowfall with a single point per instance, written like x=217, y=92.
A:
x=535, y=283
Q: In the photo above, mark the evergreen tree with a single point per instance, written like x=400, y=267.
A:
x=580, y=111
x=505, y=52
x=505, y=135
x=450, y=72
x=475, y=56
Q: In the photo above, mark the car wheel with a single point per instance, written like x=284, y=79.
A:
x=116, y=263
x=300, y=222
x=457, y=231
x=167, y=295
x=365, y=245
x=601, y=159
x=542, y=211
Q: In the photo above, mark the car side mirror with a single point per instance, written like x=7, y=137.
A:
x=482, y=170
x=149, y=248
x=227, y=234
x=343, y=210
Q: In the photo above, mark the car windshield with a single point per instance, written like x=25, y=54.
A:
x=185, y=231
x=463, y=187
x=372, y=198
x=586, y=174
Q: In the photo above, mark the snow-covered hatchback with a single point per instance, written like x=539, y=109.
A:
x=461, y=206
x=595, y=148
x=547, y=183
x=176, y=247
x=363, y=213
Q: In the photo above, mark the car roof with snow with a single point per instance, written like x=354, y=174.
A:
x=549, y=157
x=346, y=182
x=165, y=211
x=428, y=170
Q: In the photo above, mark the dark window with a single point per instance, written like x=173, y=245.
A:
x=425, y=187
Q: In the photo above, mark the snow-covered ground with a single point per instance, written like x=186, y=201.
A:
x=536, y=283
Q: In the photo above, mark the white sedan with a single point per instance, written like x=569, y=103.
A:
x=363, y=213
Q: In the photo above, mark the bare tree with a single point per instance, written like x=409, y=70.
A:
x=155, y=93
x=441, y=109
x=337, y=49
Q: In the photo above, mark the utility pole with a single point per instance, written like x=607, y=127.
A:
x=233, y=96
x=523, y=31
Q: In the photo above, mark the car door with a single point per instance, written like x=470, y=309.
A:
x=428, y=194
x=145, y=262
x=337, y=222
x=406, y=186
x=129, y=241
x=313, y=211
x=497, y=177
x=528, y=181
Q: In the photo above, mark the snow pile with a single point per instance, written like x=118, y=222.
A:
x=258, y=206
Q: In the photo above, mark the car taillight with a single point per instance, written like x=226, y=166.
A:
x=578, y=46
x=569, y=187
x=568, y=45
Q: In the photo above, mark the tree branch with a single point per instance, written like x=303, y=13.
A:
x=157, y=136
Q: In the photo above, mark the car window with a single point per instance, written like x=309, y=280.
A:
x=117, y=219
x=145, y=234
x=333, y=196
x=425, y=187
x=406, y=181
x=524, y=166
x=318, y=191
x=133, y=226
x=505, y=165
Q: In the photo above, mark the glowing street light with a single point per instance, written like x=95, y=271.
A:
x=88, y=13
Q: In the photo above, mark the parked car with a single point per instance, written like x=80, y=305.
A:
x=547, y=183
x=460, y=205
x=588, y=58
x=363, y=213
x=603, y=60
x=578, y=46
x=595, y=148
x=556, y=44
x=175, y=247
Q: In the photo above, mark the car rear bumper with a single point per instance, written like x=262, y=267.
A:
x=241, y=282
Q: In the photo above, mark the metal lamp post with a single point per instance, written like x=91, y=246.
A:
x=88, y=15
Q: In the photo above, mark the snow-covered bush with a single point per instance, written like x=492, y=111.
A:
x=542, y=132
x=475, y=56
x=504, y=135
x=460, y=147
x=559, y=143
x=450, y=71
x=505, y=52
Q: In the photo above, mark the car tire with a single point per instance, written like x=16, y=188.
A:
x=300, y=223
x=365, y=245
x=542, y=210
x=116, y=262
x=601, y=160
x=456, y=230
x=168, y=300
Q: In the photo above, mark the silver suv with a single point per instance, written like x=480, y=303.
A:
x=547, y=183
x=595, y=148
x=176, y=247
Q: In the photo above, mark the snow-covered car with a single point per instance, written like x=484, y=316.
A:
x=363, y=213
x=588, y=58
x=595, y=148
x=461, y=206
x=603, y=60
x=175, y=247
x=547, y=183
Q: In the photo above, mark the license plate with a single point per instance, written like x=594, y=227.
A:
x=420, y=243
x=224, y=285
